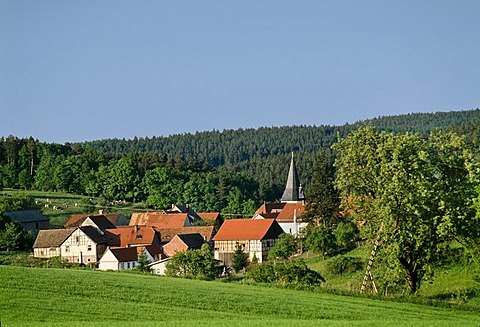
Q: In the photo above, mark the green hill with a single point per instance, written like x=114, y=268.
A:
x=59, y=297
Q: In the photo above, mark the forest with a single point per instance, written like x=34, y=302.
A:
x=231, y=171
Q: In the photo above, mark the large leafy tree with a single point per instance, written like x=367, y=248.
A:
x=415, y=194
x=285, y=247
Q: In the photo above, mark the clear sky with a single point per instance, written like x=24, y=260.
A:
x=85, y=70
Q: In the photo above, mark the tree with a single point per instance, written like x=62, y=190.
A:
x=11, y=237
x=415, y=194
x=198, y=264
x=143, y=263
x=240, y=259
x=285, y=247
x=323, y=200
x=320, y=239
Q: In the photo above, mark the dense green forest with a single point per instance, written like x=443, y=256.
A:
x=232, y=171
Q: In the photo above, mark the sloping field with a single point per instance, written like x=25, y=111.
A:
x=60, y=297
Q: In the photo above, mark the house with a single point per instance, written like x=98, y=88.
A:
x=30, y=220
x=48, y=241
x=84, y=246
x=159, y=267
x=103, y=221
x=288, y=213
x=119, y=259
x=256, y=236
x=183, y=242
x=127, y=257
x=160, y=220
x=128, y=236
x=207, y=233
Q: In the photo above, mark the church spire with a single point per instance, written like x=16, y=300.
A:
x=293, y=190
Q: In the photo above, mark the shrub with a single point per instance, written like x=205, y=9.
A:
x=344, y=264
x=262, y=273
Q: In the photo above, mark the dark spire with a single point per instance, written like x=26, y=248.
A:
x=293, y=189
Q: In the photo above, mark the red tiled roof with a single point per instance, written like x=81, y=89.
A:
x=209, y=216
x=159, y=219
x=205, y=231
x=130, y=235
x=269, y=207
x=248, y=229
x=289, y=210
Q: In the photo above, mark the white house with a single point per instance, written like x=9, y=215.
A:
x=119, y=259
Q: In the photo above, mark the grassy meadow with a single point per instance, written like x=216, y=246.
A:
x=68, y=297
x=61, y=206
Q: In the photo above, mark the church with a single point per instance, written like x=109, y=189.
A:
x=288, y=212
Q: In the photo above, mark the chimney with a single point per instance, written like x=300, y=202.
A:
x=100, y=212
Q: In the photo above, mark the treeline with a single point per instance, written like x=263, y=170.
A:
x=232, y=171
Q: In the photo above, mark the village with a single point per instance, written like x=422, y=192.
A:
x=111, y=241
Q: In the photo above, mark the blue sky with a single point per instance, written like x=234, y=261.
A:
x=85, y=70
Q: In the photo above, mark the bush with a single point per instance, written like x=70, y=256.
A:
x=297, y=272
x=262, y=273
x=293, y=272
x=344, y=264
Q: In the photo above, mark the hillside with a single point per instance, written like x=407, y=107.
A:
x=92, y=298
x=230, y=147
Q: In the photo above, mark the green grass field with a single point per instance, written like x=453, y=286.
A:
x=62, y=297
x=71, y=204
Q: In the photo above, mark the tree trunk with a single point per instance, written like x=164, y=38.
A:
x=412, y=279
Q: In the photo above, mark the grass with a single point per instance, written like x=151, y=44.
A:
x=71, y=204
x=66, y=297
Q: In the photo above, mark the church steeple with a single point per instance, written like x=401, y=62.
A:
x=293, y=190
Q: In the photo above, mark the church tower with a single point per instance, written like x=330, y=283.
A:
x=293, y=190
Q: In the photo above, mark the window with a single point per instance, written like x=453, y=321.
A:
x=89, y=248
x=67, y=249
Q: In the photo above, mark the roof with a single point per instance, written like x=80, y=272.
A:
x=125, y=254
x=48, y=238
x=293, y=189
x=94, y=235
x=270, y=208
x=168, y=234
x=289, y=210
x=130, y=235
x=102, y=221
x=159, y=220
x=155, y=250
x=209, y=216
x=26, y=216
x=193, y=241
x=248, y=229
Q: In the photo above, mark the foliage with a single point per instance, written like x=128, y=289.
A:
x=196, y=264
x=323, y=200
x=418, y=192
x=11, y=237
x=143, y=263
x=341, y=264
x=345, y=233
x=240, y=259
x=290, y=272
x=263, y=273
x=320, y=239
x=297, y=272
x=285, y=247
